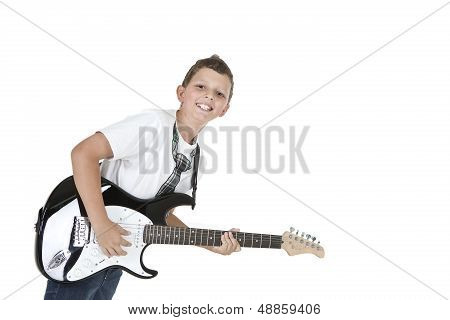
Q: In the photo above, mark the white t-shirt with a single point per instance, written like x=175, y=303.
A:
x=143, y=159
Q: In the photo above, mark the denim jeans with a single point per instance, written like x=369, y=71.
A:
x=101, y=286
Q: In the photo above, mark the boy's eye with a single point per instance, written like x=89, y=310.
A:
x=200, y=86
x=220, y=94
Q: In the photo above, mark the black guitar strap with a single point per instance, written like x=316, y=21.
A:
x=194, y=174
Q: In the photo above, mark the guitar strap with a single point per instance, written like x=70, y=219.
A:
x=194, y=174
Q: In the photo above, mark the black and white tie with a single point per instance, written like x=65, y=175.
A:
x=182, y=164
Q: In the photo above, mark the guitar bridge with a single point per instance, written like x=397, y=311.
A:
x=80, y=232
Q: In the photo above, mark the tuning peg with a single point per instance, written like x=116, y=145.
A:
x=296, y=232
x=308, y=236
x=318, y=242
x=313, y=239
x=303, y=234
x=292, y=229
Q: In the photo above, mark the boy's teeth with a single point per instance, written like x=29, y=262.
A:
x=204, y=107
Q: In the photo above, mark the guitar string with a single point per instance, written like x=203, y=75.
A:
x=173, y=231
x=272, y=239
x=162, y=235
x=203, y=232
x=172, y=239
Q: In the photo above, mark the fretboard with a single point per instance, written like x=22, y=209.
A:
x=205, y=237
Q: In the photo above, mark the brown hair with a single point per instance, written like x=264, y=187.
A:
x=215, y=63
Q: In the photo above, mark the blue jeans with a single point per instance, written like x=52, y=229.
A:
x=101, y=286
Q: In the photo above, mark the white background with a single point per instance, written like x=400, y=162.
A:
x=377, y=148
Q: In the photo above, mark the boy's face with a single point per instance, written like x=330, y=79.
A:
x=206, y=95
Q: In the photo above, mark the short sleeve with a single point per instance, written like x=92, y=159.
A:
x=124, y=136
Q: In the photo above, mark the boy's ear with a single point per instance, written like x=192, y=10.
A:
x=180, y=93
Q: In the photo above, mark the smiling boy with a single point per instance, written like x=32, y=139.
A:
x=204, y=95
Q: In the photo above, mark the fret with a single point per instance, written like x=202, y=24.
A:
x=165, y=232
x=260, y=244
x=207, y=238
x=201, y=236
x=248, y=240
x=255, y=245
x=168, y=235
x=184, y=236
x=219, y=238
x=158, y=238
x=156, y=234
x=243, y=244
x=175, y=235
x=179, y=235
x=270, y=241
x=150, y=240
x=195, y=236
x=153, y=233
x=214, y=238
x=265, y=241
x=252, y=240
x=168, y=232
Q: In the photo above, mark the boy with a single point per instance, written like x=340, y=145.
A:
x=204, y=95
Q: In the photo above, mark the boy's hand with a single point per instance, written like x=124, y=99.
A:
x=229, y=244
x=109, y=237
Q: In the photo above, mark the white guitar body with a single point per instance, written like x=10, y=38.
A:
x=56, y=243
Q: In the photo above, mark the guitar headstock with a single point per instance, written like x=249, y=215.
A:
x=295, y=243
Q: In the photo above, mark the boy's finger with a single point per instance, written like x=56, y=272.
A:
x=125, y=243
x=124, y=232
x=228, y=240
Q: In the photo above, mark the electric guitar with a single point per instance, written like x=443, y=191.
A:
x=67, y=250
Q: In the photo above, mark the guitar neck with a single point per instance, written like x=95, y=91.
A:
x=154, y=234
